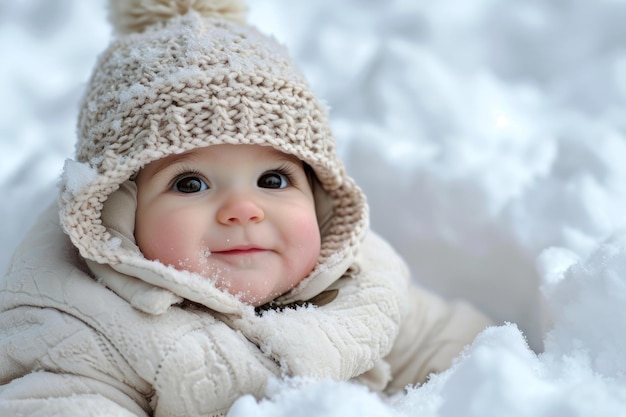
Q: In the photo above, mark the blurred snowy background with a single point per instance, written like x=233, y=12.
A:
x=490, y=137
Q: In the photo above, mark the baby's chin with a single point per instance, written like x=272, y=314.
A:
x=254, y=299
x=240, y=282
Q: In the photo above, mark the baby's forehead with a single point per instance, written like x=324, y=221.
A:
x=216, y=152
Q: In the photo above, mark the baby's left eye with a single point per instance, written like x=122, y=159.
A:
x=274, y=180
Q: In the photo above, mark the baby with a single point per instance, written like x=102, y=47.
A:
x=207, y=239
x=241, y=215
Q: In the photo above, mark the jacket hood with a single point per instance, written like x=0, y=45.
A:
x=174, y=81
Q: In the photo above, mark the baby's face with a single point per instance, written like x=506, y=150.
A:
x=242, y=215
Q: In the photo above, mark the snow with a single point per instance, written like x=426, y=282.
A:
x=75, y=177
x=489, y=138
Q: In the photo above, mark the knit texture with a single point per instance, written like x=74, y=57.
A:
x=190, y=81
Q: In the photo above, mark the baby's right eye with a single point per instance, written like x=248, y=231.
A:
x=189, y=184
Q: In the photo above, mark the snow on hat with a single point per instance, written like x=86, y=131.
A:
x=185, y=74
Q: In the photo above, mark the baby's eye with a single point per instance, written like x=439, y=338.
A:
x=189, y=184
x=274, y=179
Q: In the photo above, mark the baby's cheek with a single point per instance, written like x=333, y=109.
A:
x=167, y=244
x=308, y=236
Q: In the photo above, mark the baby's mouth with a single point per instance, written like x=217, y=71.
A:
x=240, y=250
x=246, y=257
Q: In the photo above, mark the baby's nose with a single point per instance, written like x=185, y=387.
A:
x=240, y=210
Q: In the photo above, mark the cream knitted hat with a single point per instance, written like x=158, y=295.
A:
x=184, y=74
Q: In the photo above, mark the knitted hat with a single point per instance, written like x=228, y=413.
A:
x=185, y=74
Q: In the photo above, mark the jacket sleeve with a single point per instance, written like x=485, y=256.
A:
x=52, y=364
x=189, y=366
x=434, y=332
x=43, y=394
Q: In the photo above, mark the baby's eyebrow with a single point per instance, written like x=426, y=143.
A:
x=162, y=164
x=289, y=158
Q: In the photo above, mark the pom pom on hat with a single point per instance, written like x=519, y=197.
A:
x=129, y=16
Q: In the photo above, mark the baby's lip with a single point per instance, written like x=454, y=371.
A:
x=239, y=250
